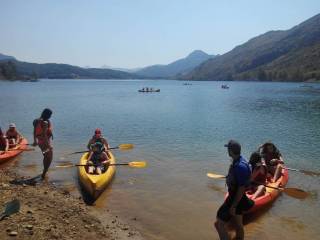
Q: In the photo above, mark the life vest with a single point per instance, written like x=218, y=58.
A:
x=12, y=134
x=39, y=128
x=261, y=177
x=98, y=158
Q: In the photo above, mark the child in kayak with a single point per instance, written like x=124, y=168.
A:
x=273, y=159
x=258, y=176
x=13, y=135
x=97, y=137
x=4, y=143
x=99, y=158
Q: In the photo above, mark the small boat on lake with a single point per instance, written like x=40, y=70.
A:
x=225, y=86
x=147, y=90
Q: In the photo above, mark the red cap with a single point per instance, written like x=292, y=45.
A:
x=97, y=131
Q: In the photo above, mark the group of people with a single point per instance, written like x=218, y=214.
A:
x=265, y=164
x=98, y=146
x=10, y=139
x=243, y=177
x=98, y=158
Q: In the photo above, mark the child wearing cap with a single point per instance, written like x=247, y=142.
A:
x=13, y=135
x=98, y=159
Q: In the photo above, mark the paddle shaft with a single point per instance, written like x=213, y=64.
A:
x=112, y=148
x=112, y=164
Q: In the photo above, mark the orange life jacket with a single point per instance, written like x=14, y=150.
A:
x=12, y=134
x=39, y=127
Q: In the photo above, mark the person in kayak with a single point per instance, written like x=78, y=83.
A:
x=236, y=203
x=42, y=136
x=13, y=136
x=98, y=158
x=273, y=159
x=258, y=176
x=97, y=137
x=4, y=143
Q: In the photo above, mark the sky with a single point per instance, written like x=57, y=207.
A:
x=137, y=33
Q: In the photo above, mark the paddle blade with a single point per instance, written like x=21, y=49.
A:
x=12, y=207
x=65, y=166
x=296, y=193
x=126, y=146
x=310, y=173
x=215, y=176
x=137, y=164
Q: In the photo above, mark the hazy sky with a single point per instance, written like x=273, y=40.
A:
x=135, y=33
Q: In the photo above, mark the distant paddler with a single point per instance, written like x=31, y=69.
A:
x=42, y=136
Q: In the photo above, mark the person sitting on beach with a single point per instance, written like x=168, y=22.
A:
x=97, y=137
x=273, y=159
x=258, y=176
x=13, y=135
x=98, y=159
x=4, y=143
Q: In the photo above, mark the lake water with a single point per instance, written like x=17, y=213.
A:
x=180, y=132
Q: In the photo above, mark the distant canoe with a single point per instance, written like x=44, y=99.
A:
x=144, y=91
x=224, y=86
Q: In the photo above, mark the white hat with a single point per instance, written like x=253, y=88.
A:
x=12, y=125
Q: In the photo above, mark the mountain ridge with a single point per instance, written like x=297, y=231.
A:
x=178, y=67
x=260, y=58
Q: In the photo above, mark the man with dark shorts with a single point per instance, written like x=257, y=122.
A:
x=237, y=202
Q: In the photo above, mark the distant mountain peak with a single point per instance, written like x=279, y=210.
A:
x=178, y=67
x=6, y=57
x=197, y=53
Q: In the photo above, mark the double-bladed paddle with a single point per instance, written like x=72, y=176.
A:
x=135, y=164
x=292, y=192
x=125, y=146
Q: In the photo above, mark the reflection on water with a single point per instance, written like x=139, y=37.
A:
x=180, y=132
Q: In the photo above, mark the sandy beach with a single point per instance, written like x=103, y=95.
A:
x=48, y=212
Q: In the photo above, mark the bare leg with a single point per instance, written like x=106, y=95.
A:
x=221, y=229
x=277, y=173
x=98, y=170
x=47, y=159
x=239, y=227
x=259, y=192
x=90, y=169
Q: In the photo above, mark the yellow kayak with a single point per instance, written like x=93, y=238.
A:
x=95, y=184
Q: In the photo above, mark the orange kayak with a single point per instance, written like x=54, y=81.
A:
x=13, y=152
x=271, y=194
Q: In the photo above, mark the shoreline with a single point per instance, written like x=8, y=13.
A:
x=50, y=212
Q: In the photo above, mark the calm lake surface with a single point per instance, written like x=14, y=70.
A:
x=180, y=132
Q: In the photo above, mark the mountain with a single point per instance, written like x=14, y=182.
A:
x=5, y=57
x=14, y=70
x=180, y=66
x=290, y=55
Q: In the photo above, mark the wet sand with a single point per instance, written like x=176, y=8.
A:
x=48, y=212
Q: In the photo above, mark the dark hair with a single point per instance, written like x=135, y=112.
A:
x=276, y=151
x=46, y=114
x=254, y=159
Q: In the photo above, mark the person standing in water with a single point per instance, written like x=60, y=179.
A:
x=237, y=202
x=42, y=136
